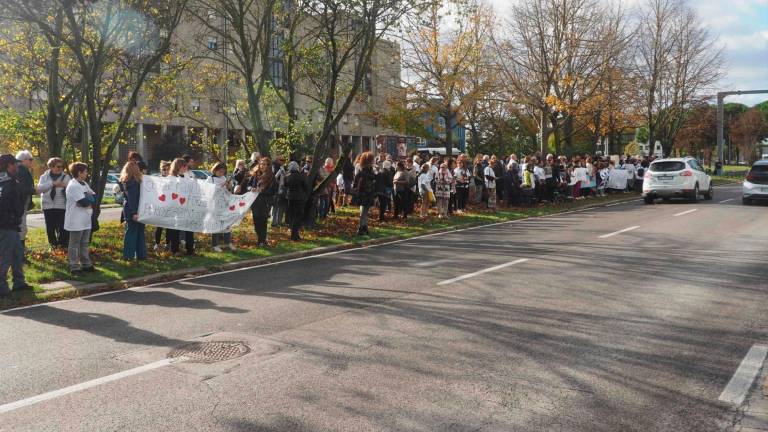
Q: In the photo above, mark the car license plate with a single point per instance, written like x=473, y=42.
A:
x=764, y=190
x=664, y=178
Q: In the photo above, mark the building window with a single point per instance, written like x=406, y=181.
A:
x=213, y=43
x=211, y=14
x=195, y=105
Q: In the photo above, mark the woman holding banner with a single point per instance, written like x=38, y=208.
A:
x=179, y=169
x=263, y=183
x=134, y=243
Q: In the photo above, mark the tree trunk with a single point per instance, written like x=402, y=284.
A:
x=449, y=133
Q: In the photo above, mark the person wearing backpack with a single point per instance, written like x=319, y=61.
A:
x=296, y=193
x=365, y=190
x=263, y=183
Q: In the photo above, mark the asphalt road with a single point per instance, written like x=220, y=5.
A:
x=536, y=325
x=37, y=220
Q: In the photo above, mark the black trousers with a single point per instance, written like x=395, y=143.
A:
x=54, y=226
x=383, y=205
x=462, y=195
x=260, y=226
x=295, y=216
x=403, y=202
x=175, y=240
x=159, y=235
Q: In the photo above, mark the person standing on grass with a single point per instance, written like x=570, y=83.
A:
x=490, y=184
x=280, y=203
x=263, y=183
x=384, y=185
x=479, y=178
x=11, y=211
x=297, y=192
x=219, y=178
x=400, y=184
x=165, y=169
x=443, y=186
x=77, y=220
x=51, y=187
x=365, y=190
x=179, y=168
x=425, y=190
x=27, y=183
x=134, y=243
x=463, y=177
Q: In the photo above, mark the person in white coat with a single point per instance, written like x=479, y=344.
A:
x=51, y=187
x=77, y=220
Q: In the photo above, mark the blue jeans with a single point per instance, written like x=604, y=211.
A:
x=323, y=206
x=11, y=255
x=278, y=211
x=135, y=245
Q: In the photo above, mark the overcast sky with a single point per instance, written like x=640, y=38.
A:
x=742, y=27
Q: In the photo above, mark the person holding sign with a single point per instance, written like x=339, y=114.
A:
x=134, y=243
x=179, y=168
x=263, y=183
x=219, y=178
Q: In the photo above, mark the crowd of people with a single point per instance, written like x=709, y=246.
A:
x=399, y=187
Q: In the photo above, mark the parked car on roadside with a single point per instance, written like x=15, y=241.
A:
x=201, y=174
x=755, y=186
x=113, y=178
x=676, y=178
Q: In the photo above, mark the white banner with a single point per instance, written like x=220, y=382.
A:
x=618, y=179
x=186, y=204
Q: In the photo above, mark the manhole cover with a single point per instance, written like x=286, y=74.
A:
x=210, y=352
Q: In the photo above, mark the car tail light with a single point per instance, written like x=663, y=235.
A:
x=751, y=177
x=647, y=175
x=686, y=173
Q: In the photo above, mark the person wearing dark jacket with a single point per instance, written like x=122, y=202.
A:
x=365, y=190
x=27, y=184
x=297, y=192
x=134, y=243
x=384, y=188
x=11, y=211
x=263, y=183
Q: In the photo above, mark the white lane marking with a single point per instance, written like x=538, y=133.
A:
x=432, y=263
x=725, y=201
x=685, y=212
x=477, y=273
x=86, y=385
x=619, y=232
x=745, y=375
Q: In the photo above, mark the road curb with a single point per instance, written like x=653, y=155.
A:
x=70, y=289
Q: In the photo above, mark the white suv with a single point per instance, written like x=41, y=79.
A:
x=676, y=178
x=755, y=187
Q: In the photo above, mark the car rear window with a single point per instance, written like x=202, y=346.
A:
x=762, y=169
x=667, y=166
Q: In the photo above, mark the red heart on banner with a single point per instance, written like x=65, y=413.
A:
x=231, y=208
x=161, y=197
x=182, y=200
x=174, y=195
x=242, y=204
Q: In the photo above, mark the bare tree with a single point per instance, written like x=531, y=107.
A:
x=678, y=61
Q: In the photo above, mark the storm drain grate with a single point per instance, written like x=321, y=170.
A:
x=210, y=352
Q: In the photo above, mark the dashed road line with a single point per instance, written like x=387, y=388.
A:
x=738, y=387
x=619, y=232
x=477, y=273
x=85, y=385
x=685, y=212
x=725, y=201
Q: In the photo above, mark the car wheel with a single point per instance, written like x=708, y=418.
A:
x=648, y=200
x=709, y=194
x=746, y=201
x=695, y=196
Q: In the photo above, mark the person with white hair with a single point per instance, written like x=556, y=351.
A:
x=27, y=184
x=51, y=187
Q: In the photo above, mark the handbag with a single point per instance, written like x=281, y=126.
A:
x=431, y=197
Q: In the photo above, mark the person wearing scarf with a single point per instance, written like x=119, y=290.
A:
x=52, y=189
x=263, y=183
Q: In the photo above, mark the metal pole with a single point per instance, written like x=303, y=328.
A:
x=225, y=144
x=720, y=114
